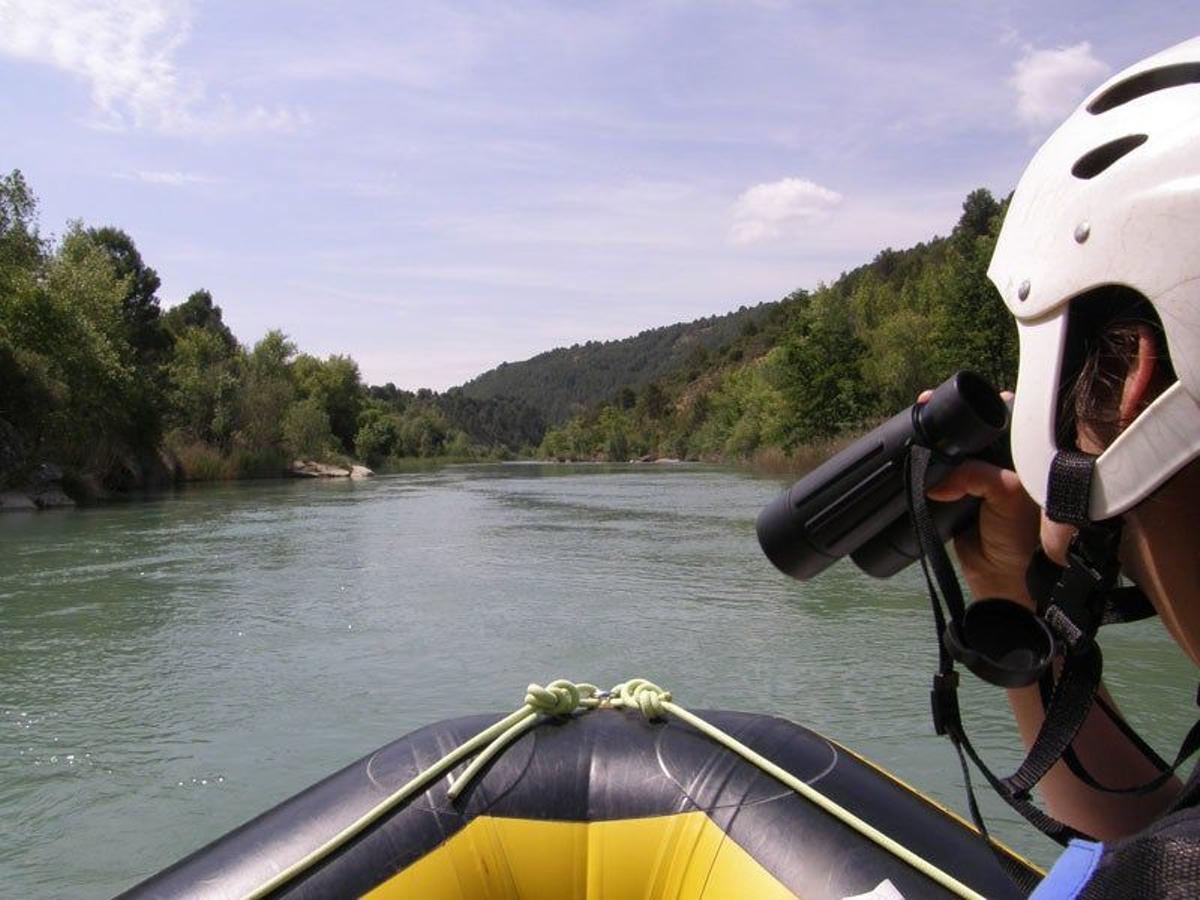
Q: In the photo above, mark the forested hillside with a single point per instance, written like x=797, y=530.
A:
x=826, y=362
x=569, y=380
x=98, y=379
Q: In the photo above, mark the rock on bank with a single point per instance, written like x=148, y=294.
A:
x=307, y=468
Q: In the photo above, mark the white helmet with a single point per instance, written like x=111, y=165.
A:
x=1112, y=198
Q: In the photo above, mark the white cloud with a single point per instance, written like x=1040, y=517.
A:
x=1051, y=83
x=765, y=210
x=126, y=52
x=168, y=178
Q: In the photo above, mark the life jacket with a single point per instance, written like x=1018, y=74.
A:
x=1161, y=861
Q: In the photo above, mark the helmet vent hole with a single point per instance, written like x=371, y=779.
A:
x=1096, y=161
x=1145, y=83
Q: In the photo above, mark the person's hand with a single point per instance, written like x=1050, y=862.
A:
x=995, y=555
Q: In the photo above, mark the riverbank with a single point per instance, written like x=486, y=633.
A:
x=763, y=461
x=50, y=487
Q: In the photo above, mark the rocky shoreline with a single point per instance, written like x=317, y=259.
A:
x=44, y=491
x=49, y=487
x=307, y=468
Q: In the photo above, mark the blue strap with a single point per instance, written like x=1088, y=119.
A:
x=1071, y=872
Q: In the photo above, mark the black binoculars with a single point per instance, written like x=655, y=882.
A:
x=855, y=503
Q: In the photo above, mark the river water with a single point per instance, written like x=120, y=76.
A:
x=171, y=667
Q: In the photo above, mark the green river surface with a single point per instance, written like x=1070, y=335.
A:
x=172, y=666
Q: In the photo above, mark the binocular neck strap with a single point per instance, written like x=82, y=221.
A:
x=1071, y=699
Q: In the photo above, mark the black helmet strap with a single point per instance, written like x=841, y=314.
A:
x=1069, y=487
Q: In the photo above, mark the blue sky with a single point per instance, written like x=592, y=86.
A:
x=435, y=188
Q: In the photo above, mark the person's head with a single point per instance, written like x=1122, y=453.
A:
x=1099, y=261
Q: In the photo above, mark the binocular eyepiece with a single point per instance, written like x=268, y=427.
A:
x=854, y=503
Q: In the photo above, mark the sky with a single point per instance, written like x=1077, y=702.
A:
x=435, y=188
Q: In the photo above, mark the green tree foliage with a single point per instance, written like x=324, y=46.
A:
x=652, y=402
x=145, y=333
x=335, y=385
x=30, y=384
x=820, y=374
x=427, y=423
x=203, y=377
x=497, y=422
x=378, y=436
x=22, y=250
x=973, y=328
x=199, y=311
x=306, y=431
x=744, y=411
x=140, y=311
x=266, y=392
x=424, y=434
x=62, y=337
x=979, y=212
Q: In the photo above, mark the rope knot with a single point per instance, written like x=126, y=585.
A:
x=645, y=696
x=558, y=698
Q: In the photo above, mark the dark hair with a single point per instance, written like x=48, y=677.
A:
x=1102, y=341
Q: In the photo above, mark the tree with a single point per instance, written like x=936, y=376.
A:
x=203, y=380
x=391, y=395
x=819, y=377
x=423, y=433
x=653, y=402
x=139, y=308
x=22, y=250
x=306, y=431
x=61, y=325
x=144, y=331
x=972, y=326
x=29, y=386
x=378, y=437
x=979, y=209
x=900, y=360
x=612, y=429
x=336, y=385
x=266, y=392
x=199, y=311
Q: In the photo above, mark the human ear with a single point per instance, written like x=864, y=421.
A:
x=1137, y=390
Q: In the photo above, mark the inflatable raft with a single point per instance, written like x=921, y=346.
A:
x=600, y=799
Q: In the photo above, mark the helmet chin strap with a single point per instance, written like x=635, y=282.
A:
x=1082, y=596
x=1069, y=488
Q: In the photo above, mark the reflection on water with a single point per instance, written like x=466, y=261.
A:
x=172, y=667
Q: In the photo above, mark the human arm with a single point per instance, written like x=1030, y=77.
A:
x=993, y=558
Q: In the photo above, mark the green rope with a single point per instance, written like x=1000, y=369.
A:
x=561, y=698
x=558, y=698
x=655, y=703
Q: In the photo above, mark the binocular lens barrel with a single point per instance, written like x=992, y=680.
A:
x=848, y=501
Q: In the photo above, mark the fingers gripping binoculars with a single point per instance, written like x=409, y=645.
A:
x=855, y=503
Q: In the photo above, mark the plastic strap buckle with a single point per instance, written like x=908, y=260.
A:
x=943, y=699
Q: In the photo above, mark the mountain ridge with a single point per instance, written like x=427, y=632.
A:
x=565, y=381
